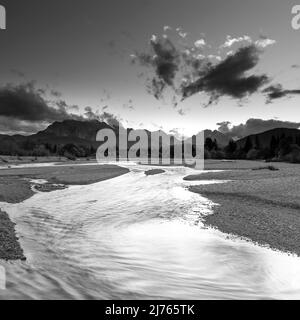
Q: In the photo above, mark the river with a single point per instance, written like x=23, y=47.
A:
x=137, y=237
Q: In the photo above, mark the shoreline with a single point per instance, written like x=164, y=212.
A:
x=260, y=205
x=16, y=186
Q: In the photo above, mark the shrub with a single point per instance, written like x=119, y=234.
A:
x=271, y=168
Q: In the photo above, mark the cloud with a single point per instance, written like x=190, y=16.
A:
x=212, y=56
x=230, y=76
x=178, y=133
x=12, y=126
x=109, y=118
x=295, y=66
x=200, y=43
x=188, y=70
x=56, y=93
x=61, y=104
x=165, y=60
x=181, y=32
x=254, y=126
x=25, y=102
x=277, y=91
x=224, y=126
x=25, y=109
x=230, y=41
x=264, y=42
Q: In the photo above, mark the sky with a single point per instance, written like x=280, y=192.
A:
x=77, y=54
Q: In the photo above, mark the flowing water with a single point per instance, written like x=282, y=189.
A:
x=137, y=237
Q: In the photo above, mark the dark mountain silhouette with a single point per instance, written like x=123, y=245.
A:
x=264, y=139
x=82, y=130
x=55, y=138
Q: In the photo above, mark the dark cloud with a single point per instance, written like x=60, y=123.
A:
x=254, y=126
x=277, y=91
x=191, y=69
x=27, y=103
x=295, y=66
x=26, y=109
x=12, y=126
x=229, y=77
x=164, y=59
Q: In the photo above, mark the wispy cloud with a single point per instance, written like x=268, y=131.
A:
x=230, y=41
x=265, y=42
x=200, y=43
x=277, y=91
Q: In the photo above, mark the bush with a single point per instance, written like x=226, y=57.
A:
x=294, y=155
x=72, y=150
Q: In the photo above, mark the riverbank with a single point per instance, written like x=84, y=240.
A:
x=16, y=185
x=17, y=160
x=256, y=203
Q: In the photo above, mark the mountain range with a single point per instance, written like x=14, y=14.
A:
x=61, y=137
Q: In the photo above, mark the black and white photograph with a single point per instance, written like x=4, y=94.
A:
x=149, y=151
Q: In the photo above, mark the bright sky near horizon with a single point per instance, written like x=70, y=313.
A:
x=82, y=50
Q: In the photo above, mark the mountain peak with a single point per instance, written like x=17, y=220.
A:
x=86, y=130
